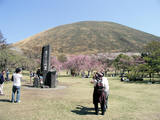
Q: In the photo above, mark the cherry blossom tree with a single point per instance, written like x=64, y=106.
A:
x=79, y=63
x=55, y=63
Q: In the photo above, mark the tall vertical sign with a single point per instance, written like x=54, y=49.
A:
x=45, y=61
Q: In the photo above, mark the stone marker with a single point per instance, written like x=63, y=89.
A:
x=49, y=76
x=45, y=61
x=51, y=79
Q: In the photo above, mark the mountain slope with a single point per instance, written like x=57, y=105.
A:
x=88, y=37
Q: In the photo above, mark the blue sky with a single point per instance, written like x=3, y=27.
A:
x=20, y=19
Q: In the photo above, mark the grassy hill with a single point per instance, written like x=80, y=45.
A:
x=88, y=37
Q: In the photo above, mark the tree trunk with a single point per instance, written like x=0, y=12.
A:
x=150, y=76
x=115, y=72
x=88, y=73
x=105, y=73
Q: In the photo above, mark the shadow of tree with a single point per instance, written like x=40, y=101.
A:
x=28, y=85
x=4, y=100
x=82, y=110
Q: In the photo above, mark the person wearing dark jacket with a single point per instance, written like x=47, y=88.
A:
x=99, y=95
x=2, y=81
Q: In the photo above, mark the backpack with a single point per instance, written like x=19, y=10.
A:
x=1, y=79
x=99, y=86
x=12, y=78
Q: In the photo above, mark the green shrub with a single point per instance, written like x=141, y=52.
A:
x=135, y=76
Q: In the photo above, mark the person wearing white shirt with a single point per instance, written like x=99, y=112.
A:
x=106, y=89
x=17, y=76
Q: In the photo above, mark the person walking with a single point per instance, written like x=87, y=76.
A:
x=2, y=79
x=17, y=77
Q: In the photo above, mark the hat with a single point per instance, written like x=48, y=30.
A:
x=99, y=74
x=18, y=70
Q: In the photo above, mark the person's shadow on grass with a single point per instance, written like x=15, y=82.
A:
x=82, y=110
x=4, y=100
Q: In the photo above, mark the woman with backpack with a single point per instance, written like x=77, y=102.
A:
x=100, y=94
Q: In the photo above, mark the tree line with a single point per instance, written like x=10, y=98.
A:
x=10, y=59
x=135, y=67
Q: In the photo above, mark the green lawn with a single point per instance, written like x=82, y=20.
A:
x=127, y=101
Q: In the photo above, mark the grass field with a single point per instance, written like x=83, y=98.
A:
x=127, y=101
